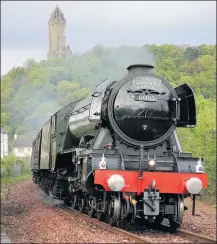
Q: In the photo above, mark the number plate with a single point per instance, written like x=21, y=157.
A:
x=146, y=98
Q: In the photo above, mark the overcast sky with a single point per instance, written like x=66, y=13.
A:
x=24, y=26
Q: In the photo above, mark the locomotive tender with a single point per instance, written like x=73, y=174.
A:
x=116, y=155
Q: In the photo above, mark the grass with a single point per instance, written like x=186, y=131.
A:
x=15, y=179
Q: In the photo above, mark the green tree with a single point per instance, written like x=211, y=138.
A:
x=191, y=53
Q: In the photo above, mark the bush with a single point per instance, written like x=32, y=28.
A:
x=12, y=166
x=7, y=165
x=201, y=142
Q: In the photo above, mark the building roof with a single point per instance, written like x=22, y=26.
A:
x=57, y=14
x=3, y=131
x=23, y=142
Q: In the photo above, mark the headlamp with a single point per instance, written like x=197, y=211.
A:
x=199, y=166
x=194, y=185
x=151, y=164
x=102, y=163
x=116, y=182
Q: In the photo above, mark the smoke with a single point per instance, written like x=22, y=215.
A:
x=48, y=200
x=36, y=90
x=31, y=107
x=124, y=56
x=113, y=62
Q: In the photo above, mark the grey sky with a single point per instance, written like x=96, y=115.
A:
x=24, y=25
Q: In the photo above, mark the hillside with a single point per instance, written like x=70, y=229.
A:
x=30, y=94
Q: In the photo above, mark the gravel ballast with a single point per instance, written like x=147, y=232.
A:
x=27, y=219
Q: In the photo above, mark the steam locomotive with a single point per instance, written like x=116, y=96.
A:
x=115, y=154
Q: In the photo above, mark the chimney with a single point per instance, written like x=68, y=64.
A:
x=139, y=67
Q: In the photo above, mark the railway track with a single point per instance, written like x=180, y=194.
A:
x=130, y=236
x=135, y=238
x=195, y=237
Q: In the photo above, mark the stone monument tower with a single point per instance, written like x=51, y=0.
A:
x=57, y=40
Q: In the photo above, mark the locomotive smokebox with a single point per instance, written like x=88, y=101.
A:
x=142, y=107
x=139, y=67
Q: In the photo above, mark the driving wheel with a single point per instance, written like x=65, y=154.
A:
x=114, y=210
x=100, y=215
x=176, y=221
x=81, y=204
x=74, y=201
x=91, y=208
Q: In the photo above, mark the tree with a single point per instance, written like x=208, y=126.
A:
x=191, y=53
x=201, y=140
x=70, y=91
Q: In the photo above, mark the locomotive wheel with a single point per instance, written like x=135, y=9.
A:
x=181, y=209
x=125, y=208
x=133, y=215
x=114, y=209
x=74, y=202
x=176, y=221
x=91, y=208
x=81, y=204
x=99, y=214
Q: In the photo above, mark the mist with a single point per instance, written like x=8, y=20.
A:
x=41, y=88
x=124, y=56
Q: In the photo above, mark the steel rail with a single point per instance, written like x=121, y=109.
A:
x=138, y=238
x=130, y=236
x=195, y=237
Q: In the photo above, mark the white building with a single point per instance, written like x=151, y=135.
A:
x=4, y=143
x=22, y=147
